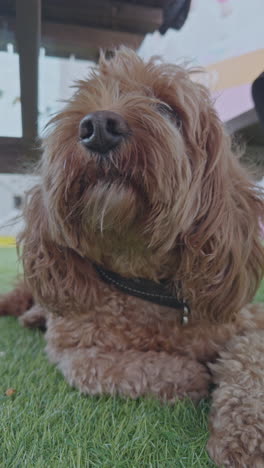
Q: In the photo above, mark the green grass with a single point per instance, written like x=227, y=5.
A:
x=47, y=424
x=260, y=294
x=9, y=268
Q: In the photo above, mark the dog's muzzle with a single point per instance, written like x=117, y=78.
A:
x=102, y=131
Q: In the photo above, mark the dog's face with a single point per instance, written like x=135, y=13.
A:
x=128, y=154
x=138, y=174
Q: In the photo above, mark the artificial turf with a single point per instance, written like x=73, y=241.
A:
x=47, y=424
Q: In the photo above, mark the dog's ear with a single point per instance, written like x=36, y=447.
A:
x=222, y=257
x=56, y=275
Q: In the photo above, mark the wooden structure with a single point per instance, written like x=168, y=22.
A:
x=63, y=27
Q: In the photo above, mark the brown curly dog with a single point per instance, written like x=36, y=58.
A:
x=143, y=217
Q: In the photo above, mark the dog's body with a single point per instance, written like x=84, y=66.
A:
x=146, y=186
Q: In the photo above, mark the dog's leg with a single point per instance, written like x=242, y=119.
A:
x=132, y=373
x=35, y=317
x=16, y=302
x=98, y=361
x=237, y=415
x=20, y=303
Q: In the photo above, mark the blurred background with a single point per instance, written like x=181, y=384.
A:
x=46, y=45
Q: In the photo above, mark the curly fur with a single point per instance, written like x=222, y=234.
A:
x=17, y=301
x=237, y=417
x=171, y=202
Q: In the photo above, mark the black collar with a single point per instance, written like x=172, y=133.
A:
x=158, y=293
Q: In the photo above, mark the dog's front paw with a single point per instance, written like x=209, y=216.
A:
x=35, y=317
x=244, y=450
x=165, y=376
x=237, y=416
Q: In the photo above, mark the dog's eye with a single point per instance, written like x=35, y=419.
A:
x=166, y=110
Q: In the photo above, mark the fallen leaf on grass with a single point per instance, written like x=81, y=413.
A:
x=10, y=392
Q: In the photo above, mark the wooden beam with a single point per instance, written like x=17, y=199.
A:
x=11, y=150
x=65, y=39
x=28, y=18
x=62, y=40
x=104, y=14
x=16, y=156
x=242, y=121
x=254, y=135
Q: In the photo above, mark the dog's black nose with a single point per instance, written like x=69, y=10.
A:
x=102, y=131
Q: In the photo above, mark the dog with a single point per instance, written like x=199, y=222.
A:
x=142, y=248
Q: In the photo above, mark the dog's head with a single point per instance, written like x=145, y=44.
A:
x=138, y=174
